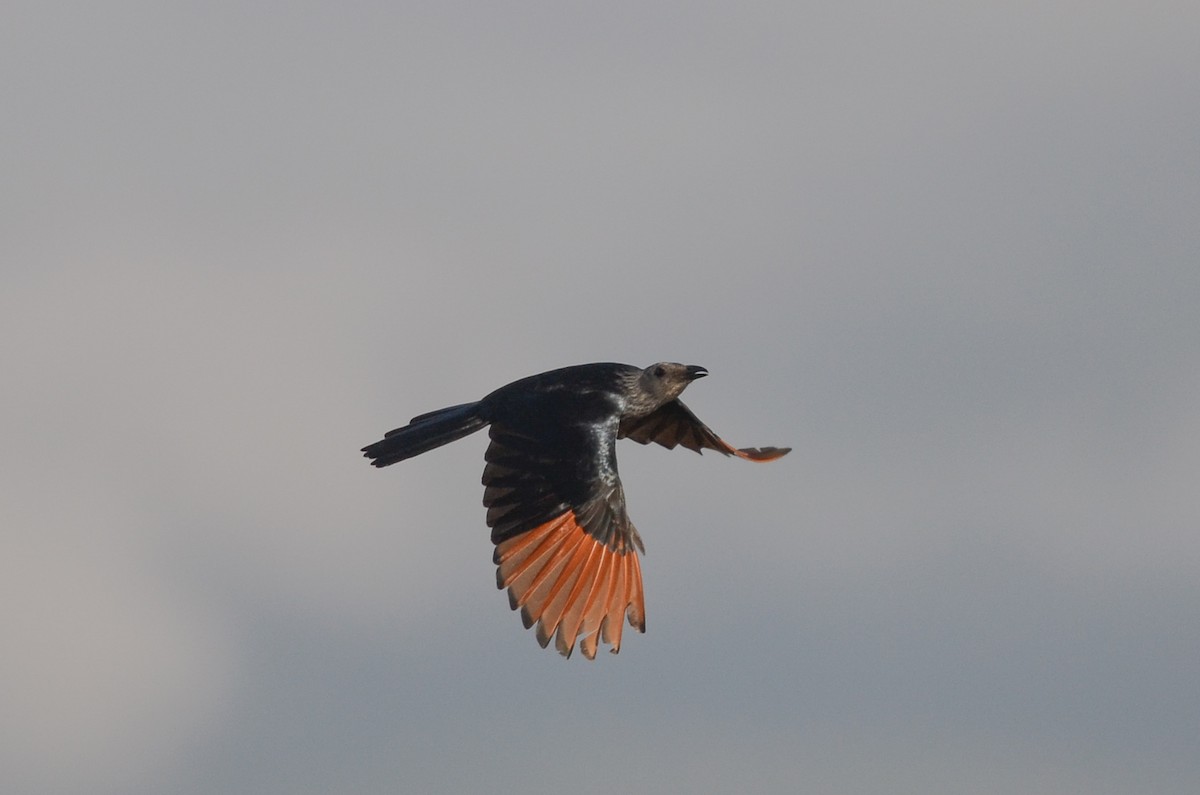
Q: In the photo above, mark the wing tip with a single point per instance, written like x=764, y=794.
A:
x=762, y=454
x=611, y=596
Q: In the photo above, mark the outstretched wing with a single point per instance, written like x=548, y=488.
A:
x=565, y=548
x=674, y=424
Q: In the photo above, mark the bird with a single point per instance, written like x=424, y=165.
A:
x=565, y=548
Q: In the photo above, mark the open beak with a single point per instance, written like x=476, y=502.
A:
x=695, y=371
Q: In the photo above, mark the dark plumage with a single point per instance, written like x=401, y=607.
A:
x=565, y=548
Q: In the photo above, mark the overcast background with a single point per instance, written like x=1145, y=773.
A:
x=948, y=252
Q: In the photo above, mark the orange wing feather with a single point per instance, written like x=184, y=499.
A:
x=571, y=585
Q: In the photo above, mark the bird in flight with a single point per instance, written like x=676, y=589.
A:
x=565, y=548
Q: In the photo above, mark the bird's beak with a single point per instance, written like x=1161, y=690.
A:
x=695, y=371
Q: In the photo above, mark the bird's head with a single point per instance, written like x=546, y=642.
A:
x=666, y=380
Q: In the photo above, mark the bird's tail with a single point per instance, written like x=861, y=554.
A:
x=424, y=433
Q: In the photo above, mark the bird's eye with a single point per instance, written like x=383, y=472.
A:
x=659, y=372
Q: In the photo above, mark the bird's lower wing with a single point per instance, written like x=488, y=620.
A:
x=565, y=548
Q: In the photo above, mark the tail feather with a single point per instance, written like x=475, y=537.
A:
x=425, y=432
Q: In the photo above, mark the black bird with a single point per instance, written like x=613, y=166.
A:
x=565, y=548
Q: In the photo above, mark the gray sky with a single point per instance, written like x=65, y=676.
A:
x=948, y=254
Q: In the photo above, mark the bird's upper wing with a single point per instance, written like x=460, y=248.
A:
x=565, y=548
x=674, y=424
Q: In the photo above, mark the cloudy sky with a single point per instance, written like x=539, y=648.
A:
x=947, y=253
